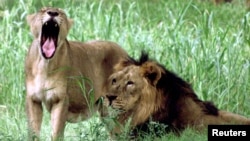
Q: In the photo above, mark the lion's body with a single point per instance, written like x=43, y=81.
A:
x=145, y=91
x=56, y=69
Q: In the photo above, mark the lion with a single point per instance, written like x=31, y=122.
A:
x=63, y=75
x=143, y=91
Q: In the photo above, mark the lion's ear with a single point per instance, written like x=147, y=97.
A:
x=152, y=72
x=70, y=23
x=30, y=19
x=122, y=64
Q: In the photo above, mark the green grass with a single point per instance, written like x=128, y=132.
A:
x=207, y=45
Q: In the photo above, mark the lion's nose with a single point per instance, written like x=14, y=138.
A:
x=111, y=98
x=53, y=13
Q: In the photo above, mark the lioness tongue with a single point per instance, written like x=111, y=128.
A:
x=48, y=47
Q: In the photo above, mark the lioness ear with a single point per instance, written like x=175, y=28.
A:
x=30, y=18
x=152, y=72
x=70, y=21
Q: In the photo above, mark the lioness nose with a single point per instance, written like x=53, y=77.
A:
x=53, y=13
x=111, y=98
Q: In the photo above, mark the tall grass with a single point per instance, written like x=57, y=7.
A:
x=205, y=44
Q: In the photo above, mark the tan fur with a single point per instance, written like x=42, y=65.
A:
x=146, y=90
x=55, y=80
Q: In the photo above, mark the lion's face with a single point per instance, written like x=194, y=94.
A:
x=124, y=88
x=132, y=91
x=50, y=27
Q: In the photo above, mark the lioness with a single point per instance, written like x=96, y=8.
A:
x=55, y=67
x=145, y=91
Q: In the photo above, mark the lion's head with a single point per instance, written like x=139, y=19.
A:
x=50, y=27
x=134, y=91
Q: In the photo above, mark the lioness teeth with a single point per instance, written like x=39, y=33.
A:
x=46, y=23
x=55, y=25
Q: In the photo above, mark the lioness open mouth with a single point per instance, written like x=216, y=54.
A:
x=50, y=31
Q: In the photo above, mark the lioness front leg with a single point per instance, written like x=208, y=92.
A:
x=58, y=118
x=35, y=113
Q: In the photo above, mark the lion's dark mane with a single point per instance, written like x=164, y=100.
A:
x=174, y=88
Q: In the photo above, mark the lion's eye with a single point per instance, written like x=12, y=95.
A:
x=113, y=81
x=130, y=83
